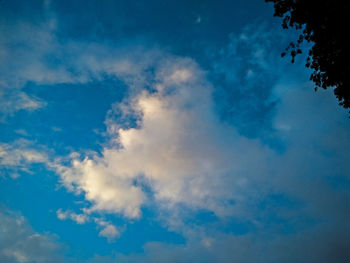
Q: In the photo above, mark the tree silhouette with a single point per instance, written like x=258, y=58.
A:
x=325, y=24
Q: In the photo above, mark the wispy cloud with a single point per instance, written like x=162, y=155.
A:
x=13, y=101
x=19, y=156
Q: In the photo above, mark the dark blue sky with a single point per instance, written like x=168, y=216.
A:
x=165, y=131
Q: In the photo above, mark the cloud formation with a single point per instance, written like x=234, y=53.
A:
x=108, y=230
x=20, y=244
x=19, y=156
x=78, y=218
x=178, y=149
x=168, y=150
x=177, y=153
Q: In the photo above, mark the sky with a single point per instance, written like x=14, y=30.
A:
x=165, y=131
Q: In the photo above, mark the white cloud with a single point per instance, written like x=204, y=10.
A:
x=78, y=218
x=103, y=189
x=108, y=230
x=20, y=155
x=13, y=101
x=179, y=152
x=179, y=149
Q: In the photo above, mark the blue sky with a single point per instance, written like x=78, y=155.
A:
x=165, y=131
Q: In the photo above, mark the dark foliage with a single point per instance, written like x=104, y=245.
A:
x=325, y=23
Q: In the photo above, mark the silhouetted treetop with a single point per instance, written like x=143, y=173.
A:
x=325, y=23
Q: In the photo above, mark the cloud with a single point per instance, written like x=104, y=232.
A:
x=169, y=150
x=26, y=47
x=78, y=218
x=101, y=188
x=108, y=230
x=316, y=245
x=178, y=149
x=19, y=156
x=12, y=102
x=20, y=244
x=32, y=53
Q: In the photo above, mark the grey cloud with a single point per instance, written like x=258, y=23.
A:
x=20, y=244
x=321, y=244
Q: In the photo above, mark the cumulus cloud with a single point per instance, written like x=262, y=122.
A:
x=169, y=150
x=178, y=153
x=78, y=218
x=178, y=148
x=108, y=230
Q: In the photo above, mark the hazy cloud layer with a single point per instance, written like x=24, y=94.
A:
x=19, y=243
